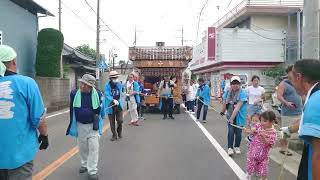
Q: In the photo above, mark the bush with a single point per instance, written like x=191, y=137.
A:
x=50, y=44
x=276, y=73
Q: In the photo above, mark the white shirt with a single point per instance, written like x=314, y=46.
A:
x=254, y=93
x=167, y=89
x=195, y=89
x=190, y=94
x=227, y=85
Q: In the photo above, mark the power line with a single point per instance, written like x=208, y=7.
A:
x=264, y=36
x=229, y=3
x=201, y=11
x=78, y=17
x=113, y=32
x=234, y=15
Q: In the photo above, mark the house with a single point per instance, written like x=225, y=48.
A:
x=19, y=29
x=251, y=37
x=76, y=65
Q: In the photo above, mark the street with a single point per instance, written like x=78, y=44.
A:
x=179, y=149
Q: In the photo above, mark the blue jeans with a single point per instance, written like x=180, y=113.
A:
x=234, y=136
x=205, y=110
x=190, y=106
x=254, y=109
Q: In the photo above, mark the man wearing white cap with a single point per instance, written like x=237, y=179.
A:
x=85, y=123
x=113, y=105
x=22, y=115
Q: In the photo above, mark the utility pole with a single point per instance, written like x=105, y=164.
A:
x=98, y=41
x=60, y=15
x=182, y=36
x=135, y=36
x=61, y=59
x=311, y=39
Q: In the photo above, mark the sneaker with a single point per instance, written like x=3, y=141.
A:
x=93, y=176
x=114, y=138
x=171, y=117
x=237, y=150
x=204, y=121
x=136, y=123
x=230, y=151
x=83, y=170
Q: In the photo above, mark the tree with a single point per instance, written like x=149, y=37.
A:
x=50, y=44
x=86, y=50
x=276, y=72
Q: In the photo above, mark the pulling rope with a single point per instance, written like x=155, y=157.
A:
x=236, y=126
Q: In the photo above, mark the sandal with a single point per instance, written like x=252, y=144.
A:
x=288, y=153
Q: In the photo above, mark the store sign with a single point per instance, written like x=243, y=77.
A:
x=211, y=43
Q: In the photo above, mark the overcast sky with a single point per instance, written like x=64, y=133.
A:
x=155, y=20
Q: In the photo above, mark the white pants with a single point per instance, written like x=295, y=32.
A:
x=88, y=142
x=133, y=109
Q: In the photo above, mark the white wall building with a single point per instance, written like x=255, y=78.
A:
x=253, y=36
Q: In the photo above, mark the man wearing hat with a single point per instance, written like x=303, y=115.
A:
x=22, y=115
x=85, y=123
x=113, y=105
x=235, y=106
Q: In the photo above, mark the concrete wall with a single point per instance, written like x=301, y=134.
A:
x=55, y=92
x=72, y=78
x=245, y=45
x=19, y=29
x=270, y=22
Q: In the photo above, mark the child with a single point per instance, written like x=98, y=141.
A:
x=264, y=137
x=253, y=121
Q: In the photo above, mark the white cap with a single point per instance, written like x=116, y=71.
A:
x=235, y=78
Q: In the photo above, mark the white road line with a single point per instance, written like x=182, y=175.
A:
x=57, y=114
x=233, y=165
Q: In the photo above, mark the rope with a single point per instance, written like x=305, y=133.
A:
x=277, y=127
x=236, y=126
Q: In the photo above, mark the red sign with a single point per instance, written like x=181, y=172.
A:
x=211, y=43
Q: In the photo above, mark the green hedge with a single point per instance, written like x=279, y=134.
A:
x=50, y=44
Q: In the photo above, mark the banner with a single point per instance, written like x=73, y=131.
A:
x=211, y=43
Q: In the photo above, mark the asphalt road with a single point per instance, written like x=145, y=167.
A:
x=157, y=150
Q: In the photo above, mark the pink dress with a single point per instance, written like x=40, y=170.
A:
x=258, y=153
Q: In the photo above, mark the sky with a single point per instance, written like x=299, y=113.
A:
x=154, y=20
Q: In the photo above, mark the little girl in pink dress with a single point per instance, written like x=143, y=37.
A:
x=264, y=137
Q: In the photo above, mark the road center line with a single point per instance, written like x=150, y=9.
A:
x=57, y=114
x=65, y=157
x=233, y=165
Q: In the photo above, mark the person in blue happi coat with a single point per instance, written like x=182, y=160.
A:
x=23, y=129
x=86, y=123
x=203, y=99
x=306, y=80
x=113, y=105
